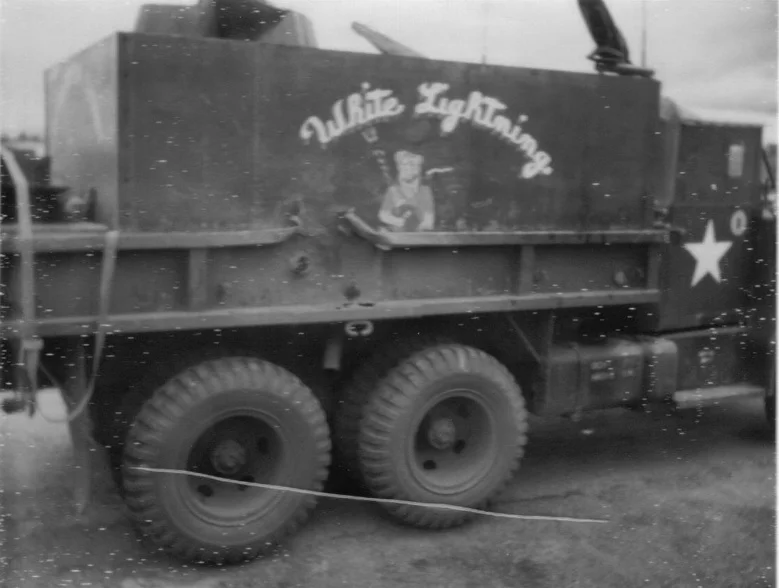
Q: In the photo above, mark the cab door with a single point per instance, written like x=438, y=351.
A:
x=715, y=202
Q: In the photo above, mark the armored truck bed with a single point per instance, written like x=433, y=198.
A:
x=247, y=184
x=167, y=281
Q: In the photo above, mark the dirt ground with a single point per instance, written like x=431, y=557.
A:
x=689, y=497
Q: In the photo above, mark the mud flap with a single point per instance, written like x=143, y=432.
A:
x=92, y=475
x=93, y=471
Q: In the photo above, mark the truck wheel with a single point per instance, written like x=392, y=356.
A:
x=238, y=419
x=348, y=414
x=448, y=425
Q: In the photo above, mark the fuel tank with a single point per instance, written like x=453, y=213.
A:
x=611, y=373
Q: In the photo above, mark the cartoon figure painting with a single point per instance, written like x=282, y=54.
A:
x=408, y=203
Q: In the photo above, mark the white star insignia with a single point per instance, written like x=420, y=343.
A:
x=708, y=254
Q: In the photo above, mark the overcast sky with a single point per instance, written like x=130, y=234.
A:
x=717, y=58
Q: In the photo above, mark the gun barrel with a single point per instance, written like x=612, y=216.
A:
x=384, y=43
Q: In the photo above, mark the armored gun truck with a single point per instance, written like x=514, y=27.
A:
x=249, y=257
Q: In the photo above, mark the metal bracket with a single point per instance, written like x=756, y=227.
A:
x=521, y=334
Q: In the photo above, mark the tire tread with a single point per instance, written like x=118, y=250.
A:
x=160, y=413
x=348, y=416
x=393, y=394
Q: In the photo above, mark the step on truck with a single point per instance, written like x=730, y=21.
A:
x=256, y=261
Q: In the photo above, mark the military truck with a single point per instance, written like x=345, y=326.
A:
x=250, y=259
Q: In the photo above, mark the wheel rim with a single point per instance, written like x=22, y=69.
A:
x=238, y=448
x=454, y=443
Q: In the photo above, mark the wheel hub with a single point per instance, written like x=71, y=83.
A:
x=228, y=457
x=442, y=433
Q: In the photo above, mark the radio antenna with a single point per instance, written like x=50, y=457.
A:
x=485, y=17
x=643, y=33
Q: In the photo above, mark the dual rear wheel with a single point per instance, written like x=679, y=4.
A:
x=443, y=424
x=433, y=423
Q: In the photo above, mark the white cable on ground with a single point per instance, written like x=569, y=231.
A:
x=371, y=499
